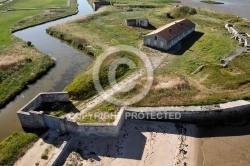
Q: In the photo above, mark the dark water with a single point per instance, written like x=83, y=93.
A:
x=69, y=63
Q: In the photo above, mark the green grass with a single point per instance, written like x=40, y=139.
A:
x=212, y=2
x=206, y=46
x=38, y=4
x=142, y=2
x=15, y=78
x=19, y=19
x=15, y=146
x=235, y=75
x=82, y=87
x=105, y=111
x=8, y=20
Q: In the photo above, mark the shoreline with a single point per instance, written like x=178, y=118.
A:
x=40, y=74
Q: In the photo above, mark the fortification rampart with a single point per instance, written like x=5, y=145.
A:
x=220, y=113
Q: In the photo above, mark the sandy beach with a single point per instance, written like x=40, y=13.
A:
x=144, y=143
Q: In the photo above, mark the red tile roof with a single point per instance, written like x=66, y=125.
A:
x=170, y=31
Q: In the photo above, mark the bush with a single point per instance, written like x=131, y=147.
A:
x=183, y=11
x=29, y=43
x=44, y=155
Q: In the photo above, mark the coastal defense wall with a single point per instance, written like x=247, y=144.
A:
x=220, y=113
x=36, y=119
x=111, y=129
x=231, y=111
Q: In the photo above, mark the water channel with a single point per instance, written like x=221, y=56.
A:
x=69, y=63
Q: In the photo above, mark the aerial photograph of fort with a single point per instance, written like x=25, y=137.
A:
x=124, y=82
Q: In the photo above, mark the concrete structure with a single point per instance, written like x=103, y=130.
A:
x=169, y=35
x=139, y=22
x=37, y=119
x=242, y=37
x=97, y=5
x=209, y=114
x=189, y=114
x=247, y=42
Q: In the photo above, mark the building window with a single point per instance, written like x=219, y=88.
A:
x=155, y=37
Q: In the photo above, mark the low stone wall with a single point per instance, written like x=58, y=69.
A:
x=220, y=113
x=103, y=129
x=231, y=111
x=36, y=119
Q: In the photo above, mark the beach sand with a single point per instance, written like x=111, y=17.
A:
x=142, y=143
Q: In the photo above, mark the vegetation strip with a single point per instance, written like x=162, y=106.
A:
x=212, y=2
x=15, y=146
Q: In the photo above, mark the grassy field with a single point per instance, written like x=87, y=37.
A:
x=106, y=111
x=19, y=19
x=15, y=146
x=38, y=4
x=20, y=64
x=174, y=82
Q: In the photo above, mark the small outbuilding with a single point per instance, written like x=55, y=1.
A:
x=97, y=5
x=169, y=35
x=247, y=42
x=139, y=22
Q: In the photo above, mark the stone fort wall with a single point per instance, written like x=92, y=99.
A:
x=220, y=113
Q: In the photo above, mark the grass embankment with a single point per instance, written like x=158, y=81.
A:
x=83, y=87
x=174, y=82
x=15, y=146
x=212, y=2
x=20, y=64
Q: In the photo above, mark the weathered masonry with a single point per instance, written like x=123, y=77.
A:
x=97, y=5
x=139, y=22
x=242, y=37
x=169, y=35
x=220, y=113
x=37, y=119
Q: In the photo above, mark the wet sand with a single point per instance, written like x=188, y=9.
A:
x=227, y=146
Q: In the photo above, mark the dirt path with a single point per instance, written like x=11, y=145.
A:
x=156, y=60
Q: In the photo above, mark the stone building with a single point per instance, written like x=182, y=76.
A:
x=247, y=42
x=169, y=35
x=139, y=22
x=97, y=5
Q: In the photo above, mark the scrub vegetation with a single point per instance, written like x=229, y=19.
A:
x=175, y=83
x=106, y=112
x=15, y=146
